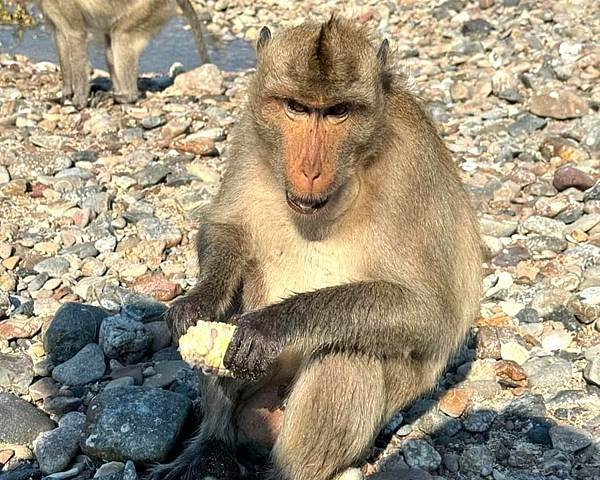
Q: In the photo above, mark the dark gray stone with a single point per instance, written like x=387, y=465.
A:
x=55, y=449
x=21, y=421
x=569, y=439
x=124, y=339
x=74, y=326
x=526, y=123
x=479, y=420
x=55, y=267
x=134, y=423
x=152, y=174
x=529, y=315
x=477, y=459
x=477, y=28
x=86, y=366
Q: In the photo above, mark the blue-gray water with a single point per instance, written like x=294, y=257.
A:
x=173, y=44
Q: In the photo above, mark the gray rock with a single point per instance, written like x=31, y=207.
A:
x=526, y=406
x=497, y=228
x=545, y=226
x=420, y=454
x=82, y=250
x=569, y=439
x=153, y=122
x=548, y=372
x=74, y=326
x=38, y=282
x=152, y=174
x=477, y=28
x=16, y=373
x=524, y=455
x=61, y=404
x=55, y=449
x=129, y=473
x=124, y=339
x=85, y=367
x=21, y=421
x=557, y=463
x=479, y=420
x=477, y=459
x=160, y=335
x=151, y=228
x=134, y=423
x=110, y=471
x=526, y=123
x=55, y=267
x=143, y=309
x=435, y=422
x=85, y=156
x=543, y=243
x=165, y=373
x=592, y=193
x=592, y=371
x=43, y=388
x=528, y=315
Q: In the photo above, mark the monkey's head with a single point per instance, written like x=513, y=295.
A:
x=318, y=103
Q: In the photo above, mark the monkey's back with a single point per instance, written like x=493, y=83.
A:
x=102, y=16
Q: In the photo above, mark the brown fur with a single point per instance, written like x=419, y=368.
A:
x=126, y=25
x=357, y=306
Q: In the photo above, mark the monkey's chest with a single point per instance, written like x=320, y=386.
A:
x=295, y=268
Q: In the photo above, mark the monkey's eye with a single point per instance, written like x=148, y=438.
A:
x=339, y=110
x=296, y=108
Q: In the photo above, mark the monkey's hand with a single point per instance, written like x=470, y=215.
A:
x=184, y=313
x=251, y=354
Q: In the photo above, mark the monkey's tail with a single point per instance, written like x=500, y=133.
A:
x=197, y=28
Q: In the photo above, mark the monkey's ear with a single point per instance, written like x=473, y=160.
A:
x=382, y=54
x=263, y=38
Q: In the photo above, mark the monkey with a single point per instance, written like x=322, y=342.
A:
x=127, y=27
x=343, y=246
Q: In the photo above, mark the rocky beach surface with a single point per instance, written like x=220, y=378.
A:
x=97, y=221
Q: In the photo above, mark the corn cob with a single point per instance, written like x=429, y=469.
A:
x=204, y=347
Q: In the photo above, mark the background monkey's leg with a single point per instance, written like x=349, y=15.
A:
x=72, y=56
x=127, y=47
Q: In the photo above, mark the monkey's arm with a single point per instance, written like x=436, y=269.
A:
x=222, y=257
x=382, y=319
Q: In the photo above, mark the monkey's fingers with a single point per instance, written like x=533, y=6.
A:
x=204, y=346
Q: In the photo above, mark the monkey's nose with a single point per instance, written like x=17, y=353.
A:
x=311, y=172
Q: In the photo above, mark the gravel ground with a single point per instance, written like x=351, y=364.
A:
x=97, y=213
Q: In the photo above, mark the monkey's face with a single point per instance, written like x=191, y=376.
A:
x=318, y=101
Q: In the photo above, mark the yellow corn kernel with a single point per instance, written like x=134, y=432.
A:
x=204, y=346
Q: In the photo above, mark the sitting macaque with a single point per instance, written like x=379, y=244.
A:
x=126, y=26
x=341, y=253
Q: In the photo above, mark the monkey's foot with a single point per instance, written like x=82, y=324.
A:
x=204, y=346
x=199, y=461
x=126, y=98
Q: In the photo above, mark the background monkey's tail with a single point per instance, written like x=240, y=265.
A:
x=197, y=28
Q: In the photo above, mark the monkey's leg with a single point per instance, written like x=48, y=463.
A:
x=72, y=56
x=334, y=412
x=127, y=47
x=211, y=453
x=110, y=59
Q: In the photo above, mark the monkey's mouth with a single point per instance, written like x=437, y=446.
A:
x=304, y=206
